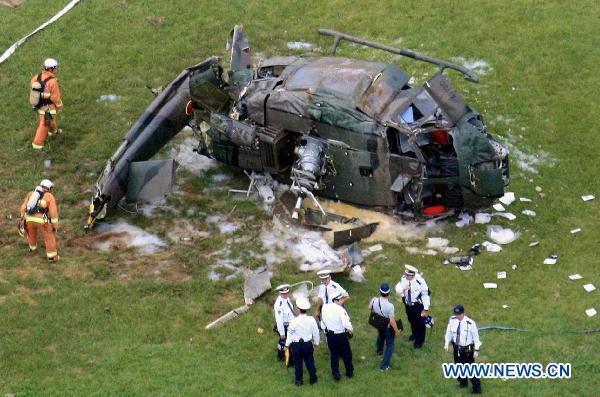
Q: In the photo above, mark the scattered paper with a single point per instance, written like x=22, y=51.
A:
x=538, y=189
x=575, y=276
x=376, y=247
x=499, y=207
x=535, y=243
x=589, y=287
x=491, y=247
x=525, y=199
x=528, y=212
x=588, y=197
x=505, y=306
x=514, y=266
x=549, y=261
x=450, y=250
x=501, y=275
x=590, y=312
x=508, y=198
x=576, y=230
x=482, y=218
x=508, y=215
x=468, y=267
x=464, y=219
x=490, y=285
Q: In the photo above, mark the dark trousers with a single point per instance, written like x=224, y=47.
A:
x=281, y=346
x=465, y=356
x=386, y=336
x=303, y=352
x=417, y=326
x=339, y=346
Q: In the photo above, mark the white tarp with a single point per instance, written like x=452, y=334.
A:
x=14, y=47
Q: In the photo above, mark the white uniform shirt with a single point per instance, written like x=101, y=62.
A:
x=468, y=332
x=326, y=292
x=419, y=291
x=335, y=318
x=284, y=313
x=303, y=327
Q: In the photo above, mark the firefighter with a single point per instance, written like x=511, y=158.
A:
x=40, y=213
x=46, y=103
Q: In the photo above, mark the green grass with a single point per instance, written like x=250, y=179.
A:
x=82, y=328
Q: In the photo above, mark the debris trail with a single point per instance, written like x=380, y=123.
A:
x=122, y=234
x=16, y=45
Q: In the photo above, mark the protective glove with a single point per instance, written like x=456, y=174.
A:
x=476, y=354
x=446, y=348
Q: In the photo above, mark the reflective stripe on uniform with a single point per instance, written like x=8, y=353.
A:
x=37, y=147
x=51, y=255
x=35, y=219
x=51, y=111
x=33, y=247
x=54, y=220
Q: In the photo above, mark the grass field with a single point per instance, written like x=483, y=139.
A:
x=117, y=323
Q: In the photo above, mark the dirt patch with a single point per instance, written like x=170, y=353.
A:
x=11, y=3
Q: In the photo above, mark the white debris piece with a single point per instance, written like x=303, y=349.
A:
x=357, y=274
x=550, y=261
x=490, y=285
x=468, y=267
x=501, y=275
x=589, y=287
x=477, y=66
x=499, y=207
x=224, y=226
x=501, y=235
x=575, y=276
x=450, y=250
x=108, y=98
x=508, y=215
x=464, y=219
x=122, y=234
x=376, y=247
x=535, y=243
x=192, y=161
x=576, y=230
x=590, y=312
x=514, y=266
x=437, y=242
x=525, y=199
x=491, y=247
x=538, y=189
x=505, y=306
x=482, y=218
x=588, y=197
x=528, y=212
x=508, y=198
x=300, y=45
x=416, y=250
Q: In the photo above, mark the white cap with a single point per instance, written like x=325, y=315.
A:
x=303, y=303
x=283, y=288
x=410, y=270
x=50, y=63
x=324, y=273
x=47, y=183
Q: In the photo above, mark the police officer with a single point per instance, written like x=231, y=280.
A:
x=327, y=289
x=414, y=292
x=381, y=305
x=462, y=332
x=284, y=313
x=303, y=333
x=335, y=322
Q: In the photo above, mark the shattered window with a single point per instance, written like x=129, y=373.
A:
x=383, y=90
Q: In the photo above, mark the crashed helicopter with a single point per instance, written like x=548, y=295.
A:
x=347, y=129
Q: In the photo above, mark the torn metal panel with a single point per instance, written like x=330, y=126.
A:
x=150, y=180
x=343, y=237
x=228, y=316
x=257, y=283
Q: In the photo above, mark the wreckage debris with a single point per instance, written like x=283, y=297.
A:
x=589, y=287
x=490, y=285
x=507, y=199
x=528, y=212
x=534, y=244
x=591, y=312
x=501, y=235
x=501, y=275
x=576, y=230
x=575, y=276
x=588, y=197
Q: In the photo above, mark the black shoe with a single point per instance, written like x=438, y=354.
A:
x=298, y=383
x=463, y=385
x=476, y=392
x=379, y=352
x=418, y=346
x=313, y=380
x=349, y=376
x=412, y=337
x=336, y=378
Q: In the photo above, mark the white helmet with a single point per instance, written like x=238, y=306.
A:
x=47, y=183
x=50, y=63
